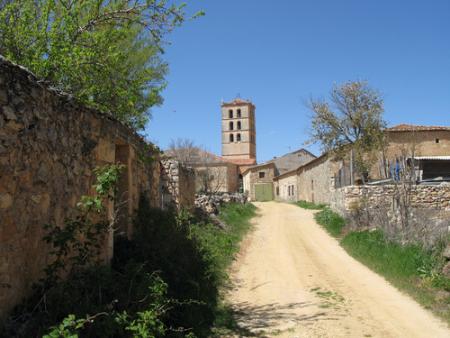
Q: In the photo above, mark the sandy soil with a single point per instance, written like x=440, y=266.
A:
x=292, y=279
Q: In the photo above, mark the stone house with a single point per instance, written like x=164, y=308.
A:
x=318, y=180
x=274, y=168
x=427, y=146
x=286, y=186
x=258, y=181
x=49, y=148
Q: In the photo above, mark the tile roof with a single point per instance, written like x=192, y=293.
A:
x=237, y=102
x=411, y=127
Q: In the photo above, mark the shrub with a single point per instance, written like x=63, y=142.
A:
x=331, y=221
x=310, y=205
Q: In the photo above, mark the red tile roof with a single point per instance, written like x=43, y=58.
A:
x=411, y=127
x=240, y=161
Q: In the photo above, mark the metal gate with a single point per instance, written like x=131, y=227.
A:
x=264, y=192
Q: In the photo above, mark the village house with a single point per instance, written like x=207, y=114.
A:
x=260, y=181
x=427, y=148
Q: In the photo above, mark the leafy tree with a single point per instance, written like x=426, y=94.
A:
x=106, y=53
x=352, y=119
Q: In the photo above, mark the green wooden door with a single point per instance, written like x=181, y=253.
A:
x=263, y=192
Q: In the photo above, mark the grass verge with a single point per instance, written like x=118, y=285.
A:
x=310, y=205
x=410, y=268
x=331, y=221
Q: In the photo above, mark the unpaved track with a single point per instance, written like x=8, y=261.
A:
x=292, y=279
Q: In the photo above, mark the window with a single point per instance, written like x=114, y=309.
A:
x=437, y=140
x=238, y=113
x=231, y=126
x=262, y=174
x=239, y=125
x=231, y=138
x=238, y=138
x=230, y=113
x=278, y=191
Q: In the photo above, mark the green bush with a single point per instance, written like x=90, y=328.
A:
x=168, y=276
x=310, y=205
x=331, y=221
x=390, y=259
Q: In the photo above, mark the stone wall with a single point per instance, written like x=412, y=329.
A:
x=49, y=146
x=316, y=179
x=252, y=177
x=177, y=185
x=285, y=187
x=223, y=177
x=425, y=219
x=435, y=197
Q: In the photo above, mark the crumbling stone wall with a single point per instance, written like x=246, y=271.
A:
x=418, y=214
x=49, y=146
x=177, y=185
x=421, y=196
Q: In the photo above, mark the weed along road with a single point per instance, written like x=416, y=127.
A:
x=292, y=279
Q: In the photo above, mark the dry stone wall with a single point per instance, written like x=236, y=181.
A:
x=435, y=197
x=177, y=185
x=49, y=146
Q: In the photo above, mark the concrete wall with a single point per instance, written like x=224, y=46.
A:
x=49, y=146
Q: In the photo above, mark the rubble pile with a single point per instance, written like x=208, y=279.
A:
x=210, y=203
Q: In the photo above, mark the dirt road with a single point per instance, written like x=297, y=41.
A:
x=292, y=279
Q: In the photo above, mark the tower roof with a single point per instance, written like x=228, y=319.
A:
x=237, y=102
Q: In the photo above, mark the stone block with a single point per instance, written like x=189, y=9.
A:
x=6, y=201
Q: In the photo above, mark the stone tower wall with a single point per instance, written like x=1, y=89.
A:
x=245, y=148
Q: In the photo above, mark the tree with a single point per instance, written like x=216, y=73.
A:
x=106, y=53
x=184, y=150
x=352, y=119
x=211, y=174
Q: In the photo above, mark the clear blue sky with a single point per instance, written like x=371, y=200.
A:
x=279, y=53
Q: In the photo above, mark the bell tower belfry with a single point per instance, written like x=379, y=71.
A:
x=238, y=132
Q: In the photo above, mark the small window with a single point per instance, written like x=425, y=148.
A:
x=238, y=138
x=230, y=113
x=238, y=113
x=231, y=138
x=239, y=125
x=231, y=126
x=262, y=174
x=437, y=140
x=278, y=191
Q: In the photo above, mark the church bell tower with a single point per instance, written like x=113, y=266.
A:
x=238, y=132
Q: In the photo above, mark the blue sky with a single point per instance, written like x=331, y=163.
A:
x=280, y=53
